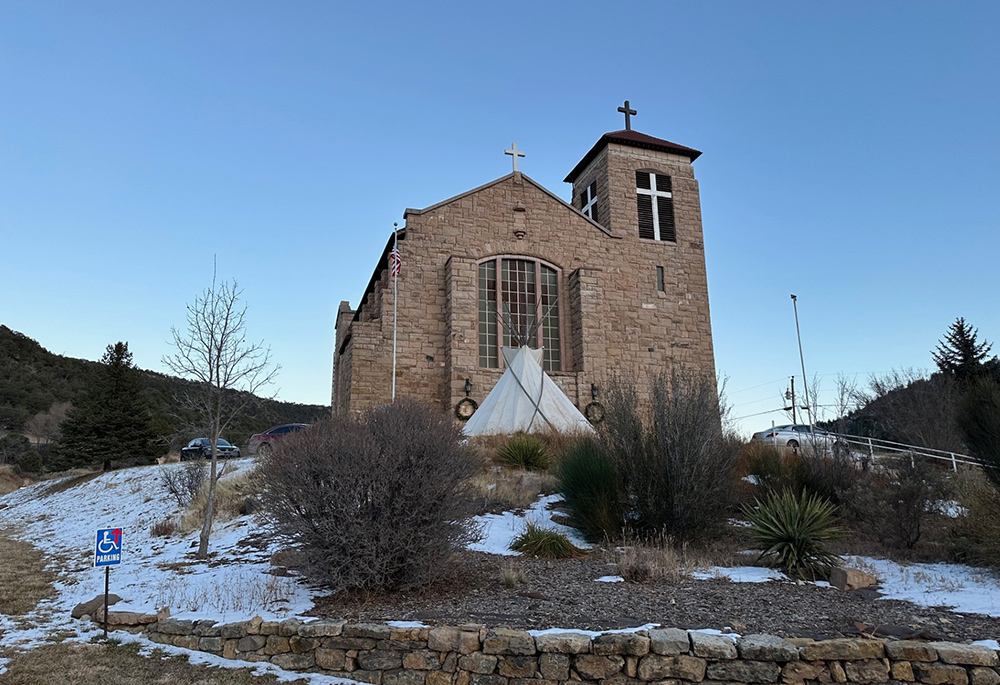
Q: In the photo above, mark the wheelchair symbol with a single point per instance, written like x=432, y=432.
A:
x=107, y=545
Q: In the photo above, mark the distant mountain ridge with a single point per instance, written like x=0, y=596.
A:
x=32, y=380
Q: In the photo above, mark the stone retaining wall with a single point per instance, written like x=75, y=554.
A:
x=476, y=655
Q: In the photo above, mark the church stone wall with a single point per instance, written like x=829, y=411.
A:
x=613, y=318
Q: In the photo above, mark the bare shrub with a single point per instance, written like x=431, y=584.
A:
x=657, y=560
x=164, y=528
x=506, y=489
x=511, y=576
x=371, y=502
x=231, y=493
x=676, y=470
x=893, y=501
x=975, y=532
x=907, y=407
x=184, y=483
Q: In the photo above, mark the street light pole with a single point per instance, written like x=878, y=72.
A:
x=802, y=360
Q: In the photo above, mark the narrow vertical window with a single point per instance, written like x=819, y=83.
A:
x=655, y=201
x=551, y=355
x=659, y=279
x=488, y=351
x=588, y=201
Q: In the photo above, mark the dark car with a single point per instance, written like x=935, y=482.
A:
x=261, y=443
x=201, y=448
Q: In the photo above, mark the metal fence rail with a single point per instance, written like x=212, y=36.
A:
x=874, y=448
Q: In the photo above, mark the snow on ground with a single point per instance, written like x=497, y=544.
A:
x=966, y=589
x=609, y=579
x=499, y=530
x=740, y=574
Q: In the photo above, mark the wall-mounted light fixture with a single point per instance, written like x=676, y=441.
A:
x=593, y=392
x=468, y=387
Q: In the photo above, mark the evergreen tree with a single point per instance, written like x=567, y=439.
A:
x=112, y=424
x=959, y=354
x=979, y=417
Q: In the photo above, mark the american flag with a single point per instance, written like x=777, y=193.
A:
x=395, y=261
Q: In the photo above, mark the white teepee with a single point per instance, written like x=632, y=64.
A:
x=525, y=399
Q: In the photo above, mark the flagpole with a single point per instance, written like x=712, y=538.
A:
x=395, y=293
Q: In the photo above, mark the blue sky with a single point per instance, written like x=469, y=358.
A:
x=851, y=156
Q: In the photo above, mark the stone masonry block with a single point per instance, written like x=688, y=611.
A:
x=843, y=649
x=712, y=646
x=669, y=641
x=509, y=642
x=563, y=643
x=867, y=671
x=744, y=671
x=631, y=644
x=766, y=648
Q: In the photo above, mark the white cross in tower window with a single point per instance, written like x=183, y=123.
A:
x=590, y=200
x=654, y=195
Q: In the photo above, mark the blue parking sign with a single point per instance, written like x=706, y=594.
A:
x=108, y=550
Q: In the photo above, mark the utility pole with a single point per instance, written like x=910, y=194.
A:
x=802, y=360
x=790, y=395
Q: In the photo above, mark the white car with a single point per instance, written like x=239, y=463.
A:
x=793, y=435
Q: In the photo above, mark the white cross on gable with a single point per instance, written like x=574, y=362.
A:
x=589, y=200
x=514, y=153
x=655, y=194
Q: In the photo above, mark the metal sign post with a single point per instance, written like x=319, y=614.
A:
x=107, y=553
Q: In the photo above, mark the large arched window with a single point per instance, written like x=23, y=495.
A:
x=518, y=305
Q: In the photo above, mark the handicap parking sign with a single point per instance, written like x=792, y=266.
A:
x=108, y=551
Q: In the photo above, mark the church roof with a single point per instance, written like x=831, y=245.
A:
x=632, y=139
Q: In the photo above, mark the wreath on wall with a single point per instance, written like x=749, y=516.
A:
x=465, y=409
x=594, y=413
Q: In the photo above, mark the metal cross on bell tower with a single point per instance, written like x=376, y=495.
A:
x=629, y=113
x=514, y=153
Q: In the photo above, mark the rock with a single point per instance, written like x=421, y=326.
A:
x=330, y=659
x=207, y=628
x=938, y=674
x=980, y=675
x=378, y=660
x=210, y=644
x=798, y=672
x=251, y=643
x=669, y=641
x=967, y=655
x=479, y=679
x=902, y=670
x=301, y=645
x=712, y=646
x=293, y=662
x=563, y=643
x=843, y=649
x=449, y=639
x=422, y=660
x=175, y=626
x=554, y=666
x=837, y=672
x=409, y=634
x=518, y=666
x=767, y=648
x=867, y=671
x=596, y=667
x=910, y=650
x=270, y=628
x=128, y=618
x=477, y=662
x=844, y=578
x=744, y=671
x=439, y=678
x=509, y=642
x=403, y=677
x=185, y=641
x=631, y=644
x=276, y=645
x=288, y=627
x=656, y=667
x=234, y=630
x=375, y=631
x=91, y=606
x=326, y=627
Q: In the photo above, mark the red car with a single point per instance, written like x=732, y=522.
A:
x=261, y=443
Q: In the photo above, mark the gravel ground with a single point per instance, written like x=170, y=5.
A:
x=563, y=594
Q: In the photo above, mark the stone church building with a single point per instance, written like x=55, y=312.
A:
x=613, y=282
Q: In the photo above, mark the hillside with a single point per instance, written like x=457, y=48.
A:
x=32, y=380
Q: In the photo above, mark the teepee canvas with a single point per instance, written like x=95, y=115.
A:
x=525, y=399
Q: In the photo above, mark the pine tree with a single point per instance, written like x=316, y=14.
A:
x=959, y=354
x=112, y=424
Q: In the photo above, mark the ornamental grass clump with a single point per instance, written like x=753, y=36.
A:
x=524, y=451
x=545, y=543
x=791, y=530
x=588, y=483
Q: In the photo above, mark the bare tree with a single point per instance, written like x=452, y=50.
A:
x=45, y=425
x=228, y=368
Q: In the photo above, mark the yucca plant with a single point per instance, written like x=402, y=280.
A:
x=524, y=451
x=536, y=541
x=791, y=531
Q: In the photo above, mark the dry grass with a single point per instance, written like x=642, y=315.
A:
x=24, y=581
x=511, y=489
x=663, y=560
x=10, y=481
x=116, y=664
x=511, y=576
x=69, y=479
x=230, y=498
